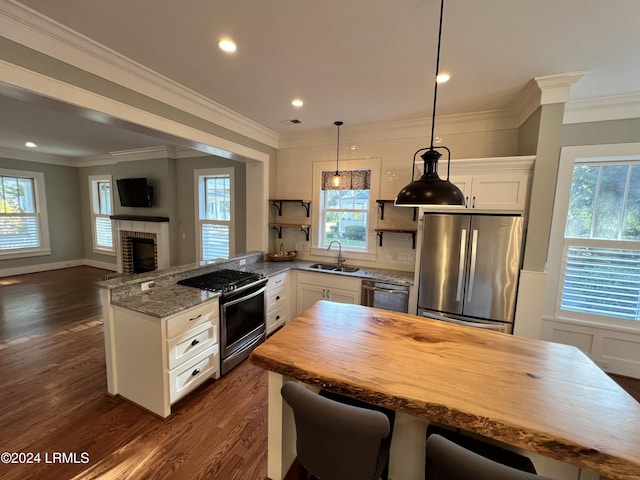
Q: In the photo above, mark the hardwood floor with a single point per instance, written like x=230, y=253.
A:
x=54, y=398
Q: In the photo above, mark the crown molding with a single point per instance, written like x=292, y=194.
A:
x=33, y=30
x=36, y=157
x=557, y=88
x=617, y=107
x=404, y=129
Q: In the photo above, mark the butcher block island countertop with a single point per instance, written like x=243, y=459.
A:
x=543, y=397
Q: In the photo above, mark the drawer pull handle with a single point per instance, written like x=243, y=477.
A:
x=195, y=372
x=277, y=317
x=278, y=297
x=195, y=318
x=195, y=342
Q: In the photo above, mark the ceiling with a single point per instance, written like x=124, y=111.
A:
x=359, y=61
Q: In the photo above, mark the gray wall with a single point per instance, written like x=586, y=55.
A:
x=601, y=133
x=63, y=212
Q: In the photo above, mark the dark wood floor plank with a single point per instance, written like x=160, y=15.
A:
x=54, y=397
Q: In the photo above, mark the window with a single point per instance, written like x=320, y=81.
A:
x=347, y=214
x=101, y=209
x=344, y=211
x=602, y=241
x=215, y=233
x=23, y=214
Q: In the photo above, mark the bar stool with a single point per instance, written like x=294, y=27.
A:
x=447, y=460
x=336, y=441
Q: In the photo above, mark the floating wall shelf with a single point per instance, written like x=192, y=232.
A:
x=278, y=204
x=381, y=204
x=380, y=232
x=279, y=226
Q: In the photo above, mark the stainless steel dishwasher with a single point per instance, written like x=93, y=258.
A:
x=385, y=295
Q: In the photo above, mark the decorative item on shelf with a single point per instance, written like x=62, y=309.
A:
x=430, y=189
x=282, y=255
x=335, y=181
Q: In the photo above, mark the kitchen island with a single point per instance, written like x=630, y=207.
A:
x=541, y=397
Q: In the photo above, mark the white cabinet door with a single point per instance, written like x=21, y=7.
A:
x=343, y=296
x=499, y=192
x=324, y=286
x=308, y=295
x=502, y=192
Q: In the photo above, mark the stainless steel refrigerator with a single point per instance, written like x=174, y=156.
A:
x=469, y=268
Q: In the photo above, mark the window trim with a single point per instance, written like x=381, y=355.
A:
x=556, y=260
x=372, y=164
x=198, y=176
x=41, y=210
x=93, y=196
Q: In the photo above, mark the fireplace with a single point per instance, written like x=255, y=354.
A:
x=143, y=254
x=142, y=243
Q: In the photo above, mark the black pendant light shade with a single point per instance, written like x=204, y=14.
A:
x=430, y=189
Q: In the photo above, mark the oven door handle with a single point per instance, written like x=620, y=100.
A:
x=244, y=297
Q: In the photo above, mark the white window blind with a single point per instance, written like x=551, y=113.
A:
x=215, y=213
x=602, y=241
x=19, y=217
x=102, y=209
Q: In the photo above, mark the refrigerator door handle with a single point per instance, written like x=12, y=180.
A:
x=463, y=253
x=472, y=272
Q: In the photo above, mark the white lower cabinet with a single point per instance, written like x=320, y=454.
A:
x=159, y=360
x=277, y=301
x=322, y=286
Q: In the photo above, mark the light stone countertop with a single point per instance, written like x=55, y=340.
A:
x=165, y=300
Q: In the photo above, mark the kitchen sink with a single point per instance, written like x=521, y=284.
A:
x=333, y=267
x=324, y=266
x=346, y=269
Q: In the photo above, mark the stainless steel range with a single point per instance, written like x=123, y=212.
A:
x=242, y=314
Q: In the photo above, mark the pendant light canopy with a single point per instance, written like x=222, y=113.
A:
x=430, y=189
x=335, y=181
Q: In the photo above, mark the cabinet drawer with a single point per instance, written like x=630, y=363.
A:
x=277, y=281
x=276, y=298
x=191, y=374
x=186, y=346
x=275, y=318
x=183, y=321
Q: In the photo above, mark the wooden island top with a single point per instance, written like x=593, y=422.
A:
x=543, y=397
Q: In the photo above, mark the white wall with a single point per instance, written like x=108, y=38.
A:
x=394, y=145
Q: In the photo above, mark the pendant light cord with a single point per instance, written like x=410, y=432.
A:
x=337, y=124
x=435, y=80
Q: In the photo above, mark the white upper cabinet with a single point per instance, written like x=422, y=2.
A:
x=494, y=191
x=491, y=184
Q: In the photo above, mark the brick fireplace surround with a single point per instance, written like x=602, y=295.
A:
x=127, y=227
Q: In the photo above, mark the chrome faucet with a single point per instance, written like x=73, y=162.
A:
x=340, y=259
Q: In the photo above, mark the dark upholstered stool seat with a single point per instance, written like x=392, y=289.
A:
x=447, y=460
x=336, y=441
x=492, y=452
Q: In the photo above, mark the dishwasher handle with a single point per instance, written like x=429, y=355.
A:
x=384, y=290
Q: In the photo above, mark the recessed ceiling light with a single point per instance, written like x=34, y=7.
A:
x=227, y=45
x=443, y=77
x=297, y=102
x=30, y=145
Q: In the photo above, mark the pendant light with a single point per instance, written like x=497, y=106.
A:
x=430, y=189
x=335, y=181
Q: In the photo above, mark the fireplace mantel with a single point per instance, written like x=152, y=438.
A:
x=139, y=218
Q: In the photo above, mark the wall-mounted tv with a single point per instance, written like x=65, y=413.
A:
x=134, y=192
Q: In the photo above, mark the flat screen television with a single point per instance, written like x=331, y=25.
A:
x=134, y=192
